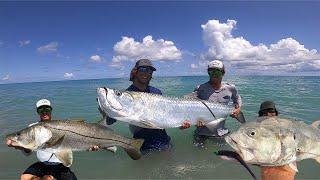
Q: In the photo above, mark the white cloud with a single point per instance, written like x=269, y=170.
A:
x=116, y=65
x=96, y=58
x=51, y=47
x=24, y=43
x=286, y=54
x=194, y=66
x=6, y=77
x=1, y=43
x=129, y=49
x=68, y=75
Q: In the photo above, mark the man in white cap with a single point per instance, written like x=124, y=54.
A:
x=49, y=166
x=215, y=91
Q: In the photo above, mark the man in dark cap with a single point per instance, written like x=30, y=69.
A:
x=268, y=108
x=154, y=139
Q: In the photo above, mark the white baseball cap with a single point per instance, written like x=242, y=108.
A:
x=43, y=102
x=215, y=64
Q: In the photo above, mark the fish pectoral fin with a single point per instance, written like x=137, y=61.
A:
x=149, y=124
x=55, y=142
x=112, y=149
x=134, y=150
x=315, y=124
x=293, y=166
x=65, y=157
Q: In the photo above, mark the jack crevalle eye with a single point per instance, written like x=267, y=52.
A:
x=252, y=133
x=18, y=133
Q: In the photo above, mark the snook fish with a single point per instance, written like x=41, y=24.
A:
x=272, y=141
x=158, y=112
x=63, y=137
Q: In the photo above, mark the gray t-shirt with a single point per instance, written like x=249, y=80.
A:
x=226, y=94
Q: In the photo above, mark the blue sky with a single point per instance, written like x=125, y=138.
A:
x=45, y=41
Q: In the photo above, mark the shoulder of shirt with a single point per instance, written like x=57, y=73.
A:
x=229, y=85
x=202, y=85
x=154, y=90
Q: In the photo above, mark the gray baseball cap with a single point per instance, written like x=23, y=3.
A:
x=145, y=62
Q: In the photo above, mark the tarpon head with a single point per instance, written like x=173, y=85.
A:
x=263, y=145
x=115, y=102
x=31, y=138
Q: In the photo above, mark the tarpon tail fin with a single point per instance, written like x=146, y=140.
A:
x=241, y=117
x=134, y=150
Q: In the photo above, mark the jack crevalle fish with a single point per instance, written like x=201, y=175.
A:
x=272, y=141
x=62, y=137
x=158, y=112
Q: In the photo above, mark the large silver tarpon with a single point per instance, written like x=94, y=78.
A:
x=157, y=112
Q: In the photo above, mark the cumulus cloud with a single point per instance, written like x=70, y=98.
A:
x=1, y=43
x=6, y=77
x=68, y=75
x=286, y=54
x=48, y=48
x=116, y=65
x=129, y=49
x=96, y=58
x=24, y=43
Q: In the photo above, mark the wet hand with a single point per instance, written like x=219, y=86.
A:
x=94, y=148
x=185, y=125
x=236, y=111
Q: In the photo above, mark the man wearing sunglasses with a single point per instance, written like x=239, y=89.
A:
x=268, y=108
x=154, y=139
x=49, y=167
x=215, y=91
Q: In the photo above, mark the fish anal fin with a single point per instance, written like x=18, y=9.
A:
x=293, y=166
x=65, y=157
x=315, y=124
x=112, y=149
x=317, y=159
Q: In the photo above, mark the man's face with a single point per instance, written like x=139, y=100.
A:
x=215, y=75
x=44, y=113
x=144, y=74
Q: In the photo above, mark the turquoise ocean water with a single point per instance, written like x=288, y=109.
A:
x=296, y=98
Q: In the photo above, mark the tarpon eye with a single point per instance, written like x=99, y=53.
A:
x=18, y=133
x=118, y=93
x=252, y=133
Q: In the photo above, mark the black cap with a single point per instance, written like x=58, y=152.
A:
x=145, y=62
x=266, y=106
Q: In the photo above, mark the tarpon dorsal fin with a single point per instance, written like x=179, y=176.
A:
x=293, y=166
x=315, y=124
x=65, y=157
